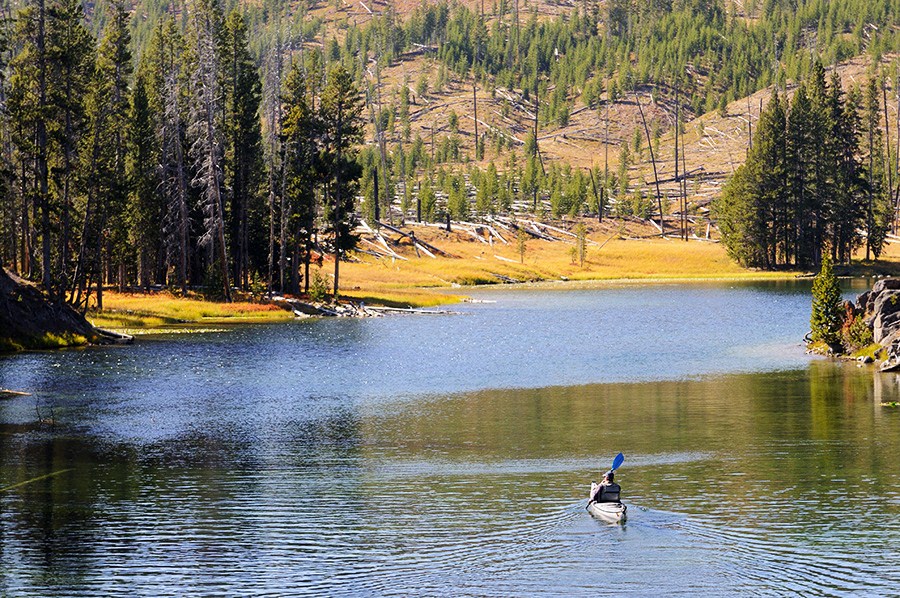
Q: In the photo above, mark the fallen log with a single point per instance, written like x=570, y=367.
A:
x=505, y=278
x=422, y=244
x=377, y=252
x=533, y=231
x=393, y=253
x=115, y=338
x=411, y=310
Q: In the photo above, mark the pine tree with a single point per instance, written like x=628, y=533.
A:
x=105, y=230
x=70, y=54
x=752, y=211
x=243, y=152
x=827, y=306
x=29, y=104
x=166, y=74
x=342, y=129
x=801, y=143
x=145, y=209
x=273, y=109
x=301, y=168
x=878, y=202
x=847, y=213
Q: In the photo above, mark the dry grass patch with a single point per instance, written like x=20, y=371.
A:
x=480, y=263
x=125, y=310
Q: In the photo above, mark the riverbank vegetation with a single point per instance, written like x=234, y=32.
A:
x=836, y=327
x=239, y=147
x=818, y=178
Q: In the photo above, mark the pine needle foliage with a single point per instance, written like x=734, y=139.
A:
x=827, y=306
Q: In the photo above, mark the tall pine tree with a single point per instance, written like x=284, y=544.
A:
x=342, y=129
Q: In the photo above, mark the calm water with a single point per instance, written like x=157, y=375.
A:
x=452, y=455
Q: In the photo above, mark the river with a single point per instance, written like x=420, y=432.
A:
x=452, y=454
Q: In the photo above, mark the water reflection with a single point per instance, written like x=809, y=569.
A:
x=300, y=460
x=782, y=482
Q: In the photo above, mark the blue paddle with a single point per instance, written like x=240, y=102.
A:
x=617, y=462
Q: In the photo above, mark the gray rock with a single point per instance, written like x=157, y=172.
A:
x=880, y=308
x=886, y=284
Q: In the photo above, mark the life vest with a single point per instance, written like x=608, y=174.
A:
x=608, y=493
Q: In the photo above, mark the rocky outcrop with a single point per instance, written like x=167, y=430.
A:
x=881, y=310
x=28, y=320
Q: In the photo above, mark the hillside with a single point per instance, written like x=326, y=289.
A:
x=540, y=111
x=578, y=124
x=467, y=59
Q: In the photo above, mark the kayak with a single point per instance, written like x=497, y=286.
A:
x=603, y=501
x=612, y=512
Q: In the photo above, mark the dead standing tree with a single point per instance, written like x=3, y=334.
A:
x=172, y=172
x=662, y=225
x=205, y=131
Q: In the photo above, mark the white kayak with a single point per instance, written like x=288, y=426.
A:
x=612, y=512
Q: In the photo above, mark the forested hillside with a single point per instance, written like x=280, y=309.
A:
x=223, y=144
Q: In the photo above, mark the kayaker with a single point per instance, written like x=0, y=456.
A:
x=607, y=490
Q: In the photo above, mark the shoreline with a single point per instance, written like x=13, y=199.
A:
x=148, y=321
x=421, y=282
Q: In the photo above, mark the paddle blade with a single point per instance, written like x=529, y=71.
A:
x=617, y=462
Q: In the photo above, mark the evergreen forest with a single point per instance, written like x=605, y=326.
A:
x=231, y=144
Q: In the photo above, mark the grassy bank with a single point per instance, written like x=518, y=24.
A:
x=42, y=342
x=422, y=281
x=136, y=313
x=606, y=260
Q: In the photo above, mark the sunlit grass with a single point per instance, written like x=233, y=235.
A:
x=47, y=340
x=479, y=263
x=874, y=351
x=134, y=311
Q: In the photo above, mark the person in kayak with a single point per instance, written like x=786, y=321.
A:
x=607, y=490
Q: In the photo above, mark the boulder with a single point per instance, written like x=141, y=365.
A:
x=880, y=308
x=29, y=320
x=885, y=284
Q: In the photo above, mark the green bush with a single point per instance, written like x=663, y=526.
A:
x=319, y=285
x=856, y=334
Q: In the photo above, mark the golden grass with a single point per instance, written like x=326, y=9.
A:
x=135, y=311
x=478, y=263
x=47, y=340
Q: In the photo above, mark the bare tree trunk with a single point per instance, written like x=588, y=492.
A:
x=41, y=163
x=271, y=237
x=887, y=136
x=896, y=202
x=282, y=244
x=306, y=265
x=677, y=182
x=273, y=117
x=475, y=108
x=605, y=156
x=26, y=226
x=662, y=222
x=206, y=146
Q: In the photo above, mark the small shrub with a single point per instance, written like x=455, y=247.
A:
x=521, y=245
x=319, y=285
x=258, y=287
x=855, y=334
